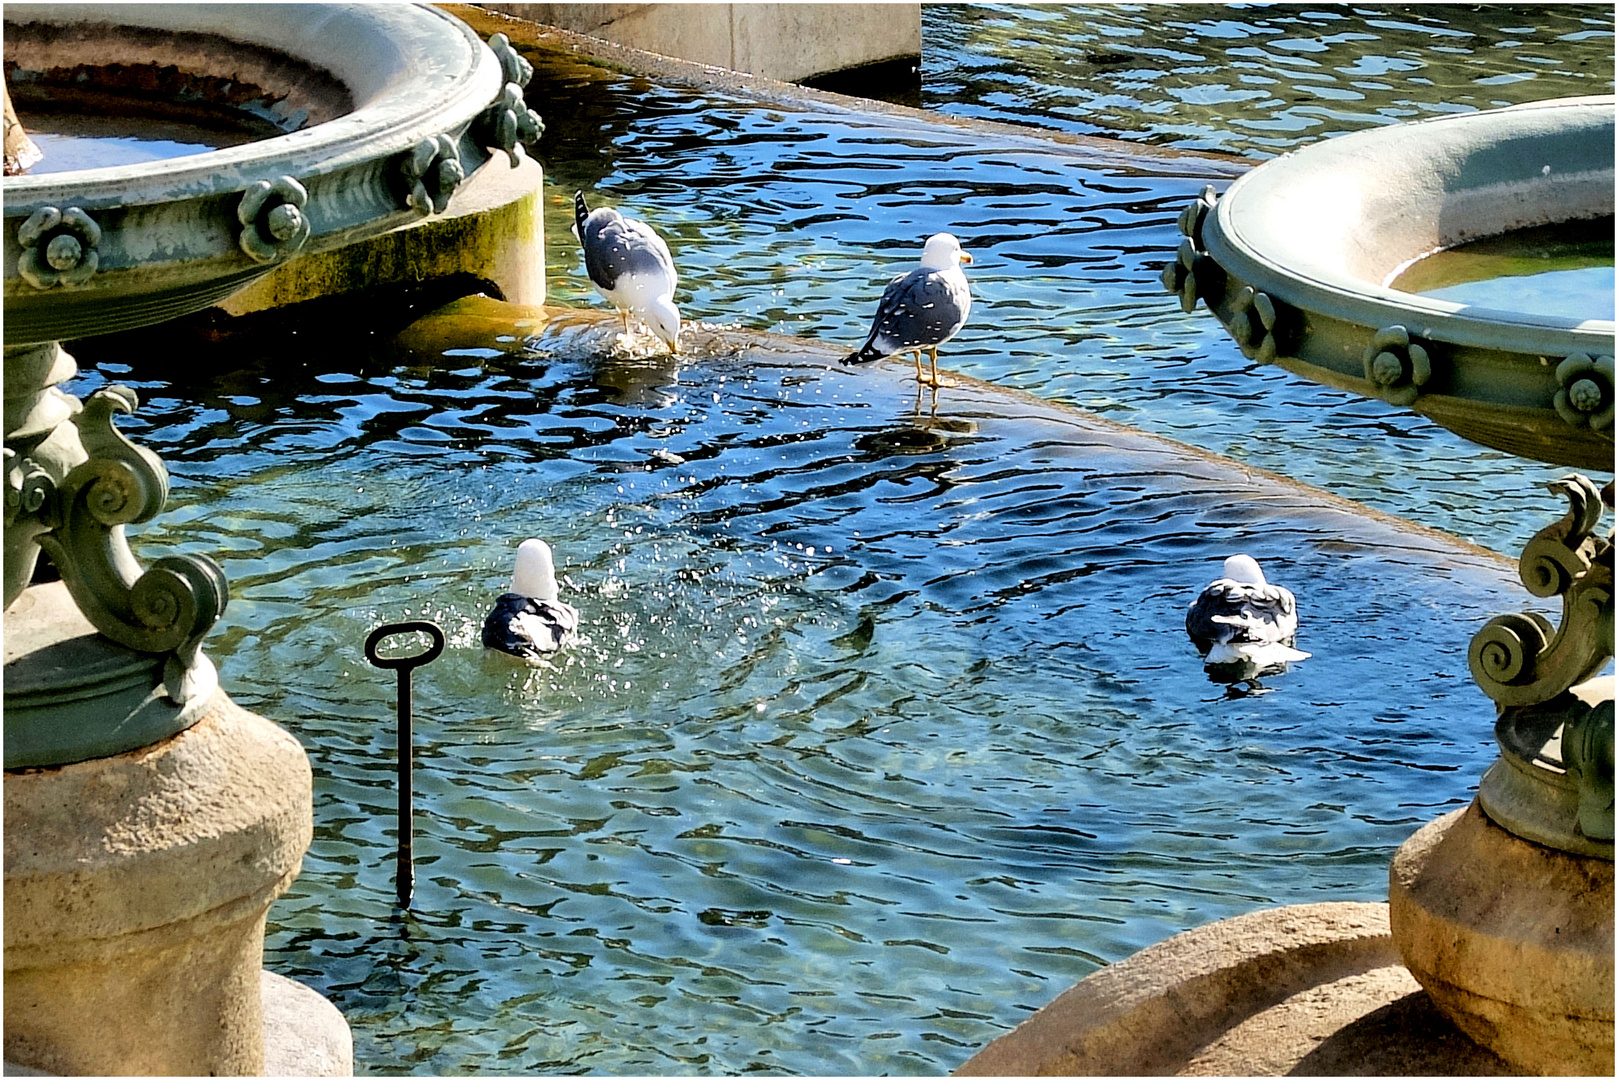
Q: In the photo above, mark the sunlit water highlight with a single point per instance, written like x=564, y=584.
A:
x=884, y=728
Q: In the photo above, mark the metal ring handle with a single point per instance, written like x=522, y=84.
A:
x=431, y=629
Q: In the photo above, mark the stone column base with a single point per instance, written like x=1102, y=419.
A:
x=304, y=1034
x=1513, y=941
x=135, y=893
x=1306, y=990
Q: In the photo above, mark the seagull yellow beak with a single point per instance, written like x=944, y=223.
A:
x=965, y=258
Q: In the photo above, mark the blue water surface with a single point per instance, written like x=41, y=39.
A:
x=883, y=728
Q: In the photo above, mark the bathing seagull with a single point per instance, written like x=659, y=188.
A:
x=922, y=309
x=631, y=266
x=1241, y=619
x=529, y=622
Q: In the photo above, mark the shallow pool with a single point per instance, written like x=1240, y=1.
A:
x=884, y=729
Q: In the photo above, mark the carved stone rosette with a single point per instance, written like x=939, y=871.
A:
x=509, y=124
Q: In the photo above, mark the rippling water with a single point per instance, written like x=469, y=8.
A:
x=1252, y=79
x=884, y=728
x=791, y=220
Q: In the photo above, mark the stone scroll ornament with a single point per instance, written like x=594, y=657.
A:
x=431, y=172
x=509, y=124
x=274, y=220
x=1193, y=274
x=167, y=608
x=1521, y=659
x=58, y=248
x=1255, y=323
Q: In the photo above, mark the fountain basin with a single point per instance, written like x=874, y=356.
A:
x=379, y=104
x=1294, y=259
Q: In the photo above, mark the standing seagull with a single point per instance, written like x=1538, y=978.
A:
x=529, y=623
x=631, y=266
x=1240, y=619
x=922, y=309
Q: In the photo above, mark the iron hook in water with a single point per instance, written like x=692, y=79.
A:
x=405, y=875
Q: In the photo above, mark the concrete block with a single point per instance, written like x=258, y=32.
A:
x=788, y=42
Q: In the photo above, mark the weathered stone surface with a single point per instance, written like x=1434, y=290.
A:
x=492, y=231
x=135, y=893
x=781, y=41
x=304, y=1034
x=1513, y=941
x=1150, y=1013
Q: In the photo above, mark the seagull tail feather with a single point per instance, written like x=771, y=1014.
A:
x=580, y=211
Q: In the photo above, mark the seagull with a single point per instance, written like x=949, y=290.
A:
x=922, y=309
x=631, y=266
x=529, y=623
x=1240, y=620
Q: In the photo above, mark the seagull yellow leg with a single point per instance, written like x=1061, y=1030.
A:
x=918, y=367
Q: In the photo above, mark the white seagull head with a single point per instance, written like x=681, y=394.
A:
x=663, y=317
x=535, y=575
x=943, y=252
x=1245, y=569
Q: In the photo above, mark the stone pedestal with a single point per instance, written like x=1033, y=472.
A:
x=492, y=232
x=1513, y=941
x=136, y=888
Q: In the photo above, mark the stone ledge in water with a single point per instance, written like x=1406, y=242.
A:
x=1309, y=989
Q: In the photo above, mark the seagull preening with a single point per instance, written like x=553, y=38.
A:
x=529, y=623
x=631, y=266
x=922, y=309
x=1242, y=621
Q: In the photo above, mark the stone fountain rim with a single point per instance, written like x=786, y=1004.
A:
x=398, y=99
x=1268, y=249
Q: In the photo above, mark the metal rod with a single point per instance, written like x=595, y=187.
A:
x=405, y=873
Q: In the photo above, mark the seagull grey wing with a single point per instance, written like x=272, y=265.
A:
x=1232, y=612
x=1275, y=611
x=502, y=630
x=658, y=247
x=919, y=309
x=613, y=249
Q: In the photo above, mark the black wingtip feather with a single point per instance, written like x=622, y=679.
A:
x=865, y=355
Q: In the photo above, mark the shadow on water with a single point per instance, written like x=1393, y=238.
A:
x=882, y=728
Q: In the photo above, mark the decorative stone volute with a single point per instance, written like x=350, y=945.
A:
x=273, y=219
x=509, y=124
